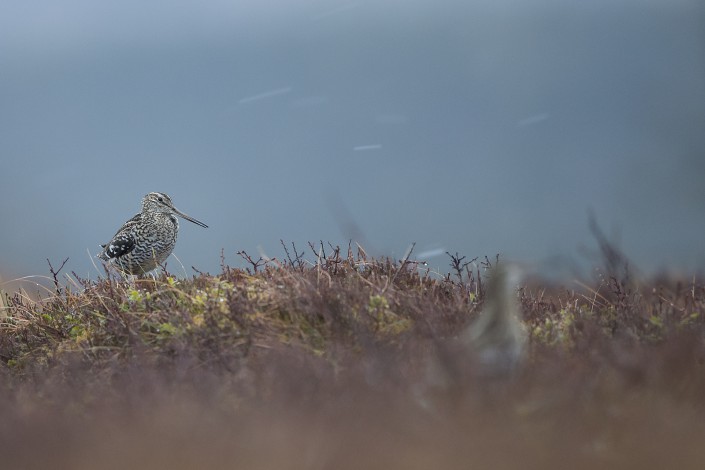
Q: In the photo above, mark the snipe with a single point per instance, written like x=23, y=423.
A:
x=147, y=239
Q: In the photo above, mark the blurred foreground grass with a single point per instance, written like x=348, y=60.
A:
x=349, y=362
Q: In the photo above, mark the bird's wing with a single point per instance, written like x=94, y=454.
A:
x=123, y=241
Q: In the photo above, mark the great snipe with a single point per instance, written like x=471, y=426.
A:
x=146, y=240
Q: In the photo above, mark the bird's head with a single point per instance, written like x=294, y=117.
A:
x=160, y=202
x=157, y=202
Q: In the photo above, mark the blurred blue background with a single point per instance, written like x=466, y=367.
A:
x=474, y=126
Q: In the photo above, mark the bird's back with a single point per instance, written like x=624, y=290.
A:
x=142, y=243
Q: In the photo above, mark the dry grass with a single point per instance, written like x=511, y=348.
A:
x=334, y=363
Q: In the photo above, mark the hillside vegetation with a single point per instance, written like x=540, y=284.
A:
x=344, y=361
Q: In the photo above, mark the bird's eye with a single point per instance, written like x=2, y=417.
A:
x=160, y=199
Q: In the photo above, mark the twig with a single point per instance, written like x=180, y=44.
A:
x=296, y=262
x=401, y=267
x=55, y=274
x=457, y=264
x=255, y=264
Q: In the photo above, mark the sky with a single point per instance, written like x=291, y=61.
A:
x=475, y=127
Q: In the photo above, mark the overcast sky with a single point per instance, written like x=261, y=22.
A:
x=478, y=127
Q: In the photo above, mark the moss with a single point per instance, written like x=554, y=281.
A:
x=343, y=303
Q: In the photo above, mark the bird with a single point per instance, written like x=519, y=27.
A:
x=147, y=239
x=486, y=356
x=497, y=339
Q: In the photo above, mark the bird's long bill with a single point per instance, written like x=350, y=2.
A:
x=189, y=218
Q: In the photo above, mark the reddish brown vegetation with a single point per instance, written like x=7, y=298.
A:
x=334, y=363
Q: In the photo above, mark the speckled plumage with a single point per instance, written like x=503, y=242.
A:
x=147, y=239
